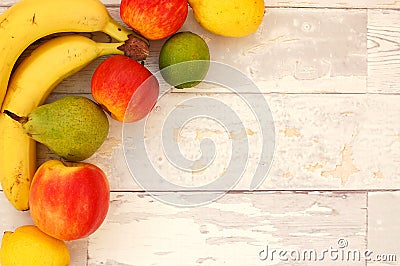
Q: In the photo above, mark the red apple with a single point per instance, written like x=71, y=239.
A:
x=69, y=201
x=154, y=19
x=127, y=90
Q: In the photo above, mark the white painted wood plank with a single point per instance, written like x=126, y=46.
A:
x=140, y=230
x=10, y=219
x=294, y=51
x=322, y=142
x=337, y=142
x=384, y=228
x=383, y=51
x=390, y=4
x=298, y=50
x=336, y=4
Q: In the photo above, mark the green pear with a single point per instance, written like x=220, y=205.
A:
x=73, y=127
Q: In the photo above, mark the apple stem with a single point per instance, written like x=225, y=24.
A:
x=136, y=47
x=19, y=119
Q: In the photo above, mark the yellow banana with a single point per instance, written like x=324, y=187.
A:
x=29, y=20
x=30, y=85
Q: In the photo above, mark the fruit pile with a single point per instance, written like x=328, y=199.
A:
x=68, y=199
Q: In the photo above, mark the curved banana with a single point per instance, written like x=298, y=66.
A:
x=31, y=83
x=29, y=20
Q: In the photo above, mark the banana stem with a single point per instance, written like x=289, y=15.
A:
x=116, y=30
x=110, y=48
x=135, y=46
x=120, y=33
x=19, y=119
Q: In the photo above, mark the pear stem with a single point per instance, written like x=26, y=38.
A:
x=19, y=119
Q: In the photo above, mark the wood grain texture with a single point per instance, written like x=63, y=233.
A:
x=142, y=231
x=383, y=51
x=331, y=142
x=298, y=51
x=294, y=51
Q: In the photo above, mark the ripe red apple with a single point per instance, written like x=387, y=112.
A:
x=154, y=19
x=124, y=88
x=68, y=200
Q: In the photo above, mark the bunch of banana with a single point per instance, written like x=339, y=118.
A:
x=37, y=75
x=29, y=20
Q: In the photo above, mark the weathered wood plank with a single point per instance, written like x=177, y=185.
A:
x=383, y=51
x=318, y=168
x=322, y=142
x=140, y=230
x=389, y=4
x=294, y=51
x=10, y=219
x=384, y=228
x=298, y=51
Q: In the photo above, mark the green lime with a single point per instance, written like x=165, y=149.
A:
x=184, y=60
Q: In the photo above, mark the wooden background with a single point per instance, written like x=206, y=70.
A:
x=330, y=73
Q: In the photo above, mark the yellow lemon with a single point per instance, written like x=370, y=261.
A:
x=30, y=246
x=233, y=18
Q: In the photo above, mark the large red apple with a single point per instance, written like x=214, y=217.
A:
x=69, y=201
x=127, y=90
x=154, y=19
